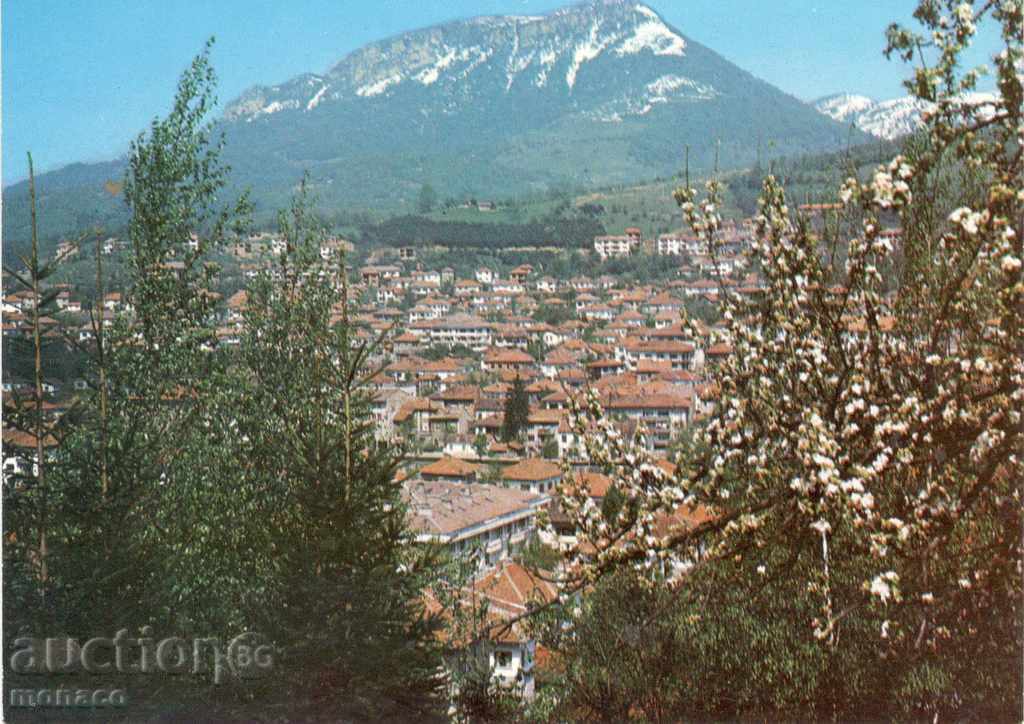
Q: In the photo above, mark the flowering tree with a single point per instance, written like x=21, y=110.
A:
x=866, y=446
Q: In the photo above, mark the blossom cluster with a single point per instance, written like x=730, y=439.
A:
x=872, y=395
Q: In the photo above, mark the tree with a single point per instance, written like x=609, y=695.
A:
x=427, y=199
x=343, y=601
x=517, y=411
x=29, y=495
x=145, y=526
x=861, y=477
x=206, y=491
x=164, y=365
x=549, y=451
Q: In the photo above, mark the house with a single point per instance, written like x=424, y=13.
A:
x=581, y=284
x=452, y=470
x=332, y=248
x=677, y=245
x=463, y=329
x=722, y=265
x=542, y=424
x=414, y=415
x=602, y=367
x=521, y=273
x=485, y=275
x=423, y=287
x=444, y=369
x=597, y=312
x=467, y=288
x=663, y=414
x=112, y=301
x=460, y=447
x=375, y=275
x=631, y=318
x=548, y=285
x=506, y=359
x=534, y=475
x=431, y=277
x=66, y=249
x=509, y=288
x=385, y=405
x=19, y=453
x=236, y=305
x=663, y=303
x=458, y=398
x=678, y=354
x=511, y=590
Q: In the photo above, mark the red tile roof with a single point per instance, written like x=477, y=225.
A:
x=532, y=469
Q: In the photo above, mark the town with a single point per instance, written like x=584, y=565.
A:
x=545, y=367
x=459, y=357
x=452, y=363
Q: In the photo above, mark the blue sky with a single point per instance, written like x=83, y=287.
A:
x=83, y=77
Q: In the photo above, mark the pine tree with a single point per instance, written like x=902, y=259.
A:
x=427, y=199
x=517, y=411
x=30, y=496
x=342, y=602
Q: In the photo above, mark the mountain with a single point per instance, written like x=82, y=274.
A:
x=883, y=119
x=892, y=118
x=600, y=93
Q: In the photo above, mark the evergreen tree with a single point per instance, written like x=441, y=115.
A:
x=549, y=450
x=427, y=199
x=206, y=491
x=342, y=602
x=517, y=411
x=30, y=495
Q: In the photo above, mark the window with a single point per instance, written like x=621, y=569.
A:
x=503, y=659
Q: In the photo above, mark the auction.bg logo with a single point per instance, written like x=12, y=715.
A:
x=244, y=656
x=66, y=697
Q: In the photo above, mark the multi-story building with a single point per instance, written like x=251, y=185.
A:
x=464, y=329
x=608, y=247
x=485, y=522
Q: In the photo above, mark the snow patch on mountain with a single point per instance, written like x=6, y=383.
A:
x=652, y=35
x=547, y=62
x=517, y=65
x=662, y=87
x=895, y=117
x=665, y=89
x=883, y=119
x=378, y=86
x=844, y=106
x=572, y=38
x=587, y=51
x=430, y=75
x=276, y=106
x=315, y=100
x=482, y=56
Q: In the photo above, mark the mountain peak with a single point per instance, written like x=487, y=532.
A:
x=538, y=51
x=595, y=94
x=887, y=119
